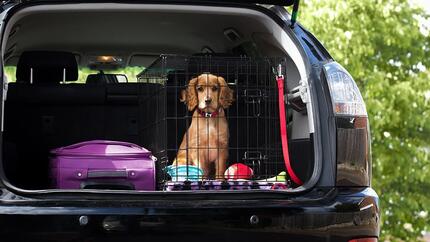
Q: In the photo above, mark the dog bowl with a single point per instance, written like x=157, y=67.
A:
x=184, y=173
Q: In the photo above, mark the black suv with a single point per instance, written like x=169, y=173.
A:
x=257, y=46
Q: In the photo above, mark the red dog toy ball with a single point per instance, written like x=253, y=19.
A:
x=238, y=171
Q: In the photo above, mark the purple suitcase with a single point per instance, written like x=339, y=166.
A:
x=103, y=164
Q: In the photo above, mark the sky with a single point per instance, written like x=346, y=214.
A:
x=424, y=3
x=425, y=23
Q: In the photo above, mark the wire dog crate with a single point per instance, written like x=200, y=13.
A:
x=252, y=118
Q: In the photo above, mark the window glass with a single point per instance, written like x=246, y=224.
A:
x=129, y=72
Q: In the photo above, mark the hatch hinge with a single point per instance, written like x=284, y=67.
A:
x=294, y=13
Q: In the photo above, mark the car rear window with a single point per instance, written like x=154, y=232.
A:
x=131, y=72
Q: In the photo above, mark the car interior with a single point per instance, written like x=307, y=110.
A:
x=45, y=108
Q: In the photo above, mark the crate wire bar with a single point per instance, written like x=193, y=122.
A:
x=253, y=121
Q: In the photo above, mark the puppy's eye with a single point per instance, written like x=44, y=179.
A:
x=215, y=88
x=200, y=89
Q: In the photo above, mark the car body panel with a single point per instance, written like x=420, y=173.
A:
x=274, y=2
x=323, y=213
x=336, y=215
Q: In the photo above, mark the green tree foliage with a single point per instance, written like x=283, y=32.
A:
x=386, y=48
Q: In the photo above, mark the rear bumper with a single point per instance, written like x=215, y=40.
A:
x=340, y=217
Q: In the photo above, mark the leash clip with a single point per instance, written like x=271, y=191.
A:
x=279, y=71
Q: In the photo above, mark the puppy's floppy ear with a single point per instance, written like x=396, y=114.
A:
x=226, y=94
x=183, y=96
x=189, y=95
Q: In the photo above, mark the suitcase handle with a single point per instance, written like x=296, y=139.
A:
x=107, y=185
x=107, y=174
x=106, y=142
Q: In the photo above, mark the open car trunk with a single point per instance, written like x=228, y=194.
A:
x=173, y=44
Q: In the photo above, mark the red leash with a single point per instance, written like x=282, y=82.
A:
x=283, y=122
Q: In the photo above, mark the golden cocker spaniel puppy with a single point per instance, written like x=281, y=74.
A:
x=205, y=144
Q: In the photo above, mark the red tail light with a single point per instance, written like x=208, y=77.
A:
x=353, y=138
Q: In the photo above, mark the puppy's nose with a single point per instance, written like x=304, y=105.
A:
x=208, y=100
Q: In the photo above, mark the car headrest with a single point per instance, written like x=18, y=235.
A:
x=101, y=78
x=47, y=67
